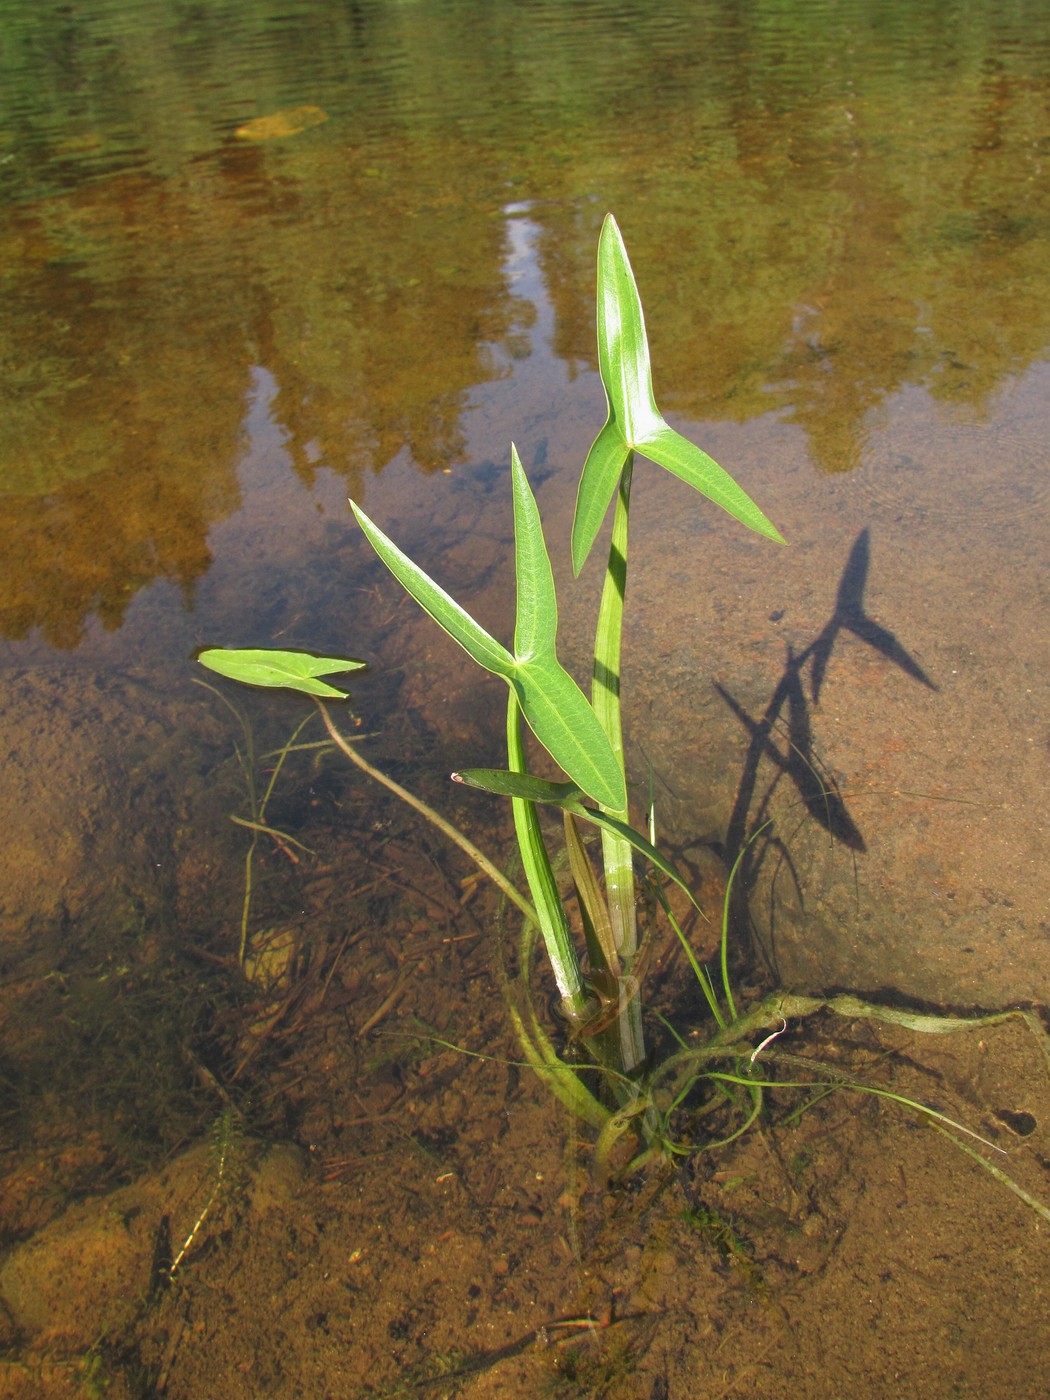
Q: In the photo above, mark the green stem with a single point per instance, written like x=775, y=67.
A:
x=617, y=856
x=463, y=842
x=259, y=823
x=605, y=697
x=554, y=926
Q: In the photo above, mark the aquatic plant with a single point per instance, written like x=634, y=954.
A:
x=718, y=1080
x=262, y=669
x=584, y=737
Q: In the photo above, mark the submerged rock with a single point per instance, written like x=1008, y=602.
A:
x=90, y=1272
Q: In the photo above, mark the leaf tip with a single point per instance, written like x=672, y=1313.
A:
x=610, y=227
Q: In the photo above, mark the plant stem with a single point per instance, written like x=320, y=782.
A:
x=605, y=697
x=463, y=842
x=258, y=822
x=554, y=926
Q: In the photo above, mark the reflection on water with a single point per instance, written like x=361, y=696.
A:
x=838, y=205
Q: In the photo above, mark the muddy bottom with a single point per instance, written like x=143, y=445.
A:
x=376, y=1198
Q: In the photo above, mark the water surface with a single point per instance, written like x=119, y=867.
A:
x=214, y=332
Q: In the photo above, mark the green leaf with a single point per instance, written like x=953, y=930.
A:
x=502, y=783
x=550, y=911
x=536, y=618
x=289, y=670
x=601, y=471
x=605, y=697
x=568, y=798
x=623, y=346
x=633, y=421
x=669, y=449
x=445, y=611
x=594, y=912
x=555, y=707
x=559, y=714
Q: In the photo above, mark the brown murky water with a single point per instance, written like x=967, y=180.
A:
x=257, y=258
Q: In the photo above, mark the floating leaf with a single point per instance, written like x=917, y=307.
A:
x=288, y=670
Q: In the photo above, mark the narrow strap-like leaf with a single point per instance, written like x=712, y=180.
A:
x=550, y=910
x=597, y=928
x=605, y=697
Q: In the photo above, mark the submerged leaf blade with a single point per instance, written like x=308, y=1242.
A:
x=567, y=797
x=502, y=783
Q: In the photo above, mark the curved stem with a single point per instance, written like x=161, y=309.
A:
x=464, y=843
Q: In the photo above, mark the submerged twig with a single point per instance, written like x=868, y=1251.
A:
x=225, y=1137
x=385, y=1007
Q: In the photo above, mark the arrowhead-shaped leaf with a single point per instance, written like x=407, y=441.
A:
x=536, y=616
x=601, y=471
x=288, y=670
x=623, y=346
x=558, y=713
x=633, y=422
x=669, y=449
x=554, y=706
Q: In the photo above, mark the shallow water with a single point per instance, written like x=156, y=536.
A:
x=214, y=332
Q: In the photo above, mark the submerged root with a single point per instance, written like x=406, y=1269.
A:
x=729, y=1064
